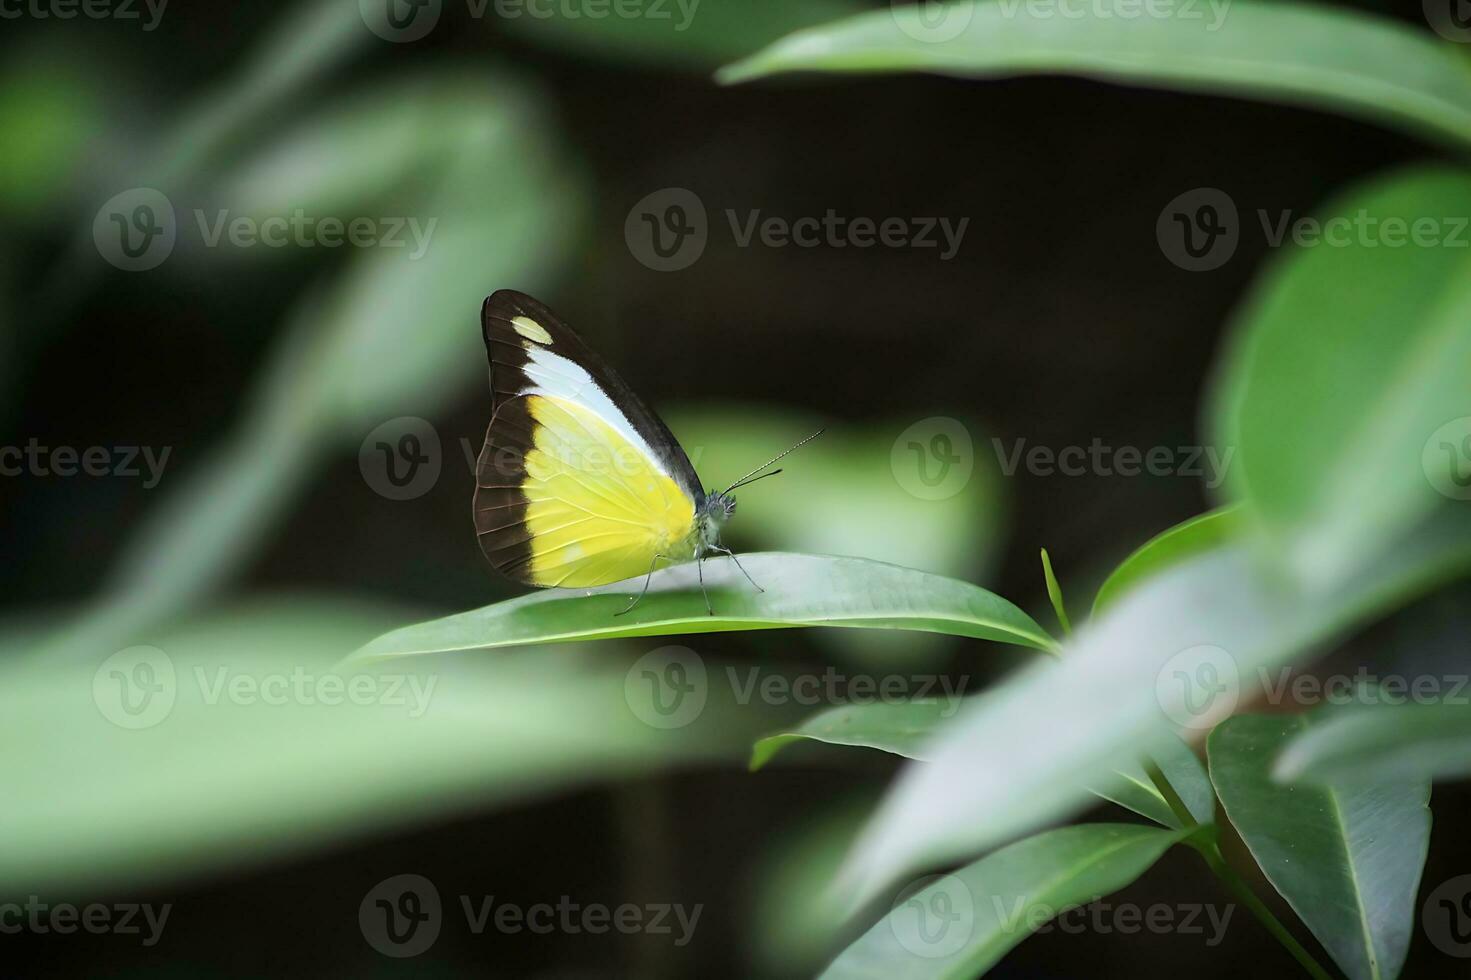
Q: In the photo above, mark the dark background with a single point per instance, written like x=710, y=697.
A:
x=1059, y=322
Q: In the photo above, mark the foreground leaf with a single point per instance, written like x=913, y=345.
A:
x=239, y=743
x=1411, y=741
x=800, y=590
x=984, y=910
x=1316, y=56
x=1347, y=857
x=1341, y=429
x=1170, y=547
x=1025, y=754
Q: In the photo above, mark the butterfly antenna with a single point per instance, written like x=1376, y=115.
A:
x=752, y=477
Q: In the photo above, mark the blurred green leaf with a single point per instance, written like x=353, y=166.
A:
x=1114, y=693
x=49, y=111
x=995, y=903
x=900, y=727
x=800, y=590
x=1137, y=792
x=1341, y=371
x=243, y=756
x=693, y=35
x=904, y=728
x=1317, y=56
x=795, y=917
x=394, y=335
x=1382, y=742
x=1347, y=858
x=1187, y=539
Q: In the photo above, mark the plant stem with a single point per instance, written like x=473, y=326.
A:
x=1211, y=851
x=1209, y=848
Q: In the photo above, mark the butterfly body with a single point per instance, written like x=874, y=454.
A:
x=579, y=484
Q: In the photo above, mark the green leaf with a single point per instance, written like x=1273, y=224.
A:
x=800, y=590
x=1137, y=792
x=1406, y=741
x=1187, y=539
x=1113, y=694
x=1316, y=56
x=986, y=909
x=695, y=35
x=1342, y=370
x=897, y=727
x=244, y=757
x=1347, y=857
x=1054, y=594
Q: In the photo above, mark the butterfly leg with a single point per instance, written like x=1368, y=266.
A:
x=727, y=551
x=700, y=568
x=639, y=598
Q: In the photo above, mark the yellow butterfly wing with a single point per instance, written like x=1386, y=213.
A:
x=571, y=490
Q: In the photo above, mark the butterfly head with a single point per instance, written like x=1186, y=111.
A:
x=714, y=512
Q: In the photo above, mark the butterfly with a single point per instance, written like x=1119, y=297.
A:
x=579, y=483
